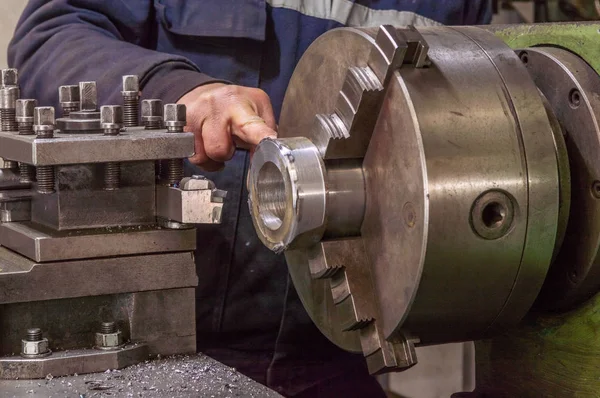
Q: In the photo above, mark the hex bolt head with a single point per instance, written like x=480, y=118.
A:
x=109, y=341
x=24, y=109
x=152, y=108
x=111, y=117
x=88, y=95
x=9, y=77
x=152, y=113
x=34, y=345
x=68, y=95
x=131, y=86
x=43, y=120
x=175, y=116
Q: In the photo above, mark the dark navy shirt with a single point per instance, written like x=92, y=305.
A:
x=248, y=313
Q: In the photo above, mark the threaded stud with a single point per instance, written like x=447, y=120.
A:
x=112, y=175
x=34, y=334
x=45, y=179
x=108, y=327
x=8, y=120
x=26, y=173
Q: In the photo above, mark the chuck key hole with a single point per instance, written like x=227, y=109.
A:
x=493, y=214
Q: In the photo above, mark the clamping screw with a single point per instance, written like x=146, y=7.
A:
x=24, y=118
x=152, y=114
x=111, y=120
x=8, y=102
x=175, y=119
x=9, y=77
x=131, y=100
x=43, y=125
x=69, y=99
x=88, y=97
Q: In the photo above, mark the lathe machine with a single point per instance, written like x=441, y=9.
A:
x=442, y=184
x=429, y=185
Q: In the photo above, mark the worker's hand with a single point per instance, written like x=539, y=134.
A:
x=223, y=117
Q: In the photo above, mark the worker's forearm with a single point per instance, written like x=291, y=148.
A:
x=58, y=43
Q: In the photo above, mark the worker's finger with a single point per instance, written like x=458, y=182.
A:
x=265, y=108
x=217, y=140
x=248, y=125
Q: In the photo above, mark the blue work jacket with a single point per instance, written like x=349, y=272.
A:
x=244, y=300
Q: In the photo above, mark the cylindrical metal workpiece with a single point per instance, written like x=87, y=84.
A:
x=152, y=114
x=8, y=102
x=131, y=100
x=44, y=128
x=69, y=99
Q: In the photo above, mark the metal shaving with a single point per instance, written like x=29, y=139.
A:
x=178, y=376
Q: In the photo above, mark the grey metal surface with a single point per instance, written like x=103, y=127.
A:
x=132, y=144
x=88, y=96
x=65, y=363
x=461, y=174
x=80, y=200
x=560, y=75
x=181, y=376
x=287, y=192
x=45, y=244
x=189, y=206
x=101, y=276
x=163, y=319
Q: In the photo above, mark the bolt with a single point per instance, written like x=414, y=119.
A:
x=43, y=121
x=26, y=173
x=108, y=327
x=88, y=97
x=109, y=337
x=9, y=77
x=24, y=118
x=34, y=334
x=69, y=99
x=43, y=125
x=34, y=345
x=152, y=114
x=175, y=119
x=24, y=115
x=111, y=119
x=131, y=100
x=8, y=102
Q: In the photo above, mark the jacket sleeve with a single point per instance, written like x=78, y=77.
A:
x=59, y=42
